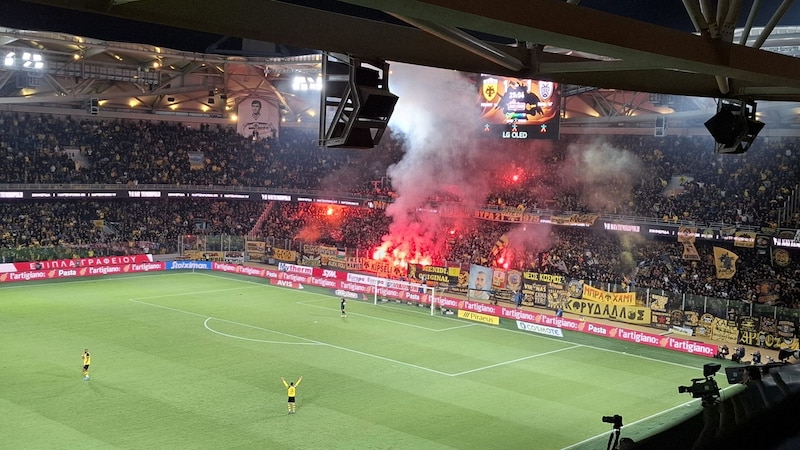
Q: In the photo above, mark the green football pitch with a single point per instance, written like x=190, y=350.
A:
x=195, y=360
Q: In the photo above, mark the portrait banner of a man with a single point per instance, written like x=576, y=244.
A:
x=258, y=119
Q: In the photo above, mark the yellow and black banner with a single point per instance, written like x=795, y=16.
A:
x=687, y=234
x=202, y=255
x=433, y=274
x=285, y=255
x=744, y=239
x=638, y=315
x=575, y=220
x=508, y=216
x=690, y=252
x=255, y=249
x=382, y=268
x=611, y=298
x=725, y=263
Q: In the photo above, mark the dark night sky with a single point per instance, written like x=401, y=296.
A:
x=30, y=16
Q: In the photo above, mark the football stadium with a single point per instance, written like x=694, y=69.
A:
x=399, y=225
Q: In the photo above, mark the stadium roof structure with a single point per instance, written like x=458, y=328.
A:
x=614, y=63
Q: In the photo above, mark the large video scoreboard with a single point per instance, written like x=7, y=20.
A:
x=519, y=108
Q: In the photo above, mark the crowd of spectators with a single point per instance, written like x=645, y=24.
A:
x=672, y=178
x=667, y=179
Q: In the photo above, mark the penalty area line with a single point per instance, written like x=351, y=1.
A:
x=233, y=336
x=309, y=341
x=515, y=360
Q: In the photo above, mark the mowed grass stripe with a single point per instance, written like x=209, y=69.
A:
x=156, y=371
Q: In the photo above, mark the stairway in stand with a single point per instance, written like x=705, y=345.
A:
x=255, y=231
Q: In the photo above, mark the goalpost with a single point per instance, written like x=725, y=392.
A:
x=385, y=289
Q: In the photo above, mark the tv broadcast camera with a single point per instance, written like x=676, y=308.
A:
x=616, y=422
x=705, y=388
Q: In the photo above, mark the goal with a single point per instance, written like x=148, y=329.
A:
x=385, y=290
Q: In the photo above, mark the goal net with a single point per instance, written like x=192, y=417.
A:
x=417, y=294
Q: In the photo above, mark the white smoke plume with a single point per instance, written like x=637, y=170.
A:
x=603, y=176
x=439, y=118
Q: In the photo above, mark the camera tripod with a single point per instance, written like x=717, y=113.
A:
x=613, y=439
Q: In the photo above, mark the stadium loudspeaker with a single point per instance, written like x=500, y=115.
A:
x=376, y=104
x=734, y=127
x=358, y=138
x=726, y=128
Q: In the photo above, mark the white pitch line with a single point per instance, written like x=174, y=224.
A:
x=534, y=335
x=383, y=358
x=644, y=419
x=205, y=324
x=435, y=330
x=516, y=360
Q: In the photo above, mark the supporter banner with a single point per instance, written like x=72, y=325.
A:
x=557, y=296
x=658, y=302
x=258, y=118
x=725, y=263
x=311, y=261
x=331, y=252
x=687, y=234
x=575, y=220
x=255, y=246
x=514, y=280
x=575, y=288
x=480, y=278
x=763, y=241
x=781, y=257
x=202, y=255
x=349, y=263
x=744, y=239
x=623, y=313
x=615, y=298
x=282, y=254
x=375, y=266
x=498, y=278
x=545, y=277
x=508, y=216
x=234, y=257
x=196, y=160
x=337, y=264
x=321, y=250
x=660, y=320
x=690, y=252
x=786, y=327
x=723, y=331
x=75, y=263
x=534, y=293
x=386, y=269
x=434, y=274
